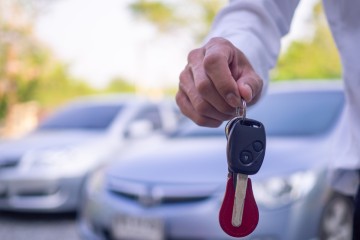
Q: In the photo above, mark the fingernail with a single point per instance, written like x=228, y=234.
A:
x=249, y=90
x=233, y=100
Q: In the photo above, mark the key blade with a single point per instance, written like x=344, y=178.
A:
x=240, y=193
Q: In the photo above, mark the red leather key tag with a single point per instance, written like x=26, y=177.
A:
x=250, y=217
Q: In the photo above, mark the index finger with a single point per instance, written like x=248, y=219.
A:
x=216, y=64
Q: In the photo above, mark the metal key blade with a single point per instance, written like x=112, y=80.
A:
x=240, y=193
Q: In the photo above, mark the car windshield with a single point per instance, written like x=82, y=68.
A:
x=89, y=117
x=285, y=114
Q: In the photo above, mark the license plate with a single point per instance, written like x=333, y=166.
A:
x=137, y=228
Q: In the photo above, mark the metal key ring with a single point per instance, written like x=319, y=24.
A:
x=241, y=112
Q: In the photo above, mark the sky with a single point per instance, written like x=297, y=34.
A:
x=101, y=40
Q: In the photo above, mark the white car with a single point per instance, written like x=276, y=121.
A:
x=45, y=170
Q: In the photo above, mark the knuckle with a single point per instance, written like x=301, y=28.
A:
x=202, y=107
x=203, y=87
x=224, y=89
x=181, y=87
x=218, y=40
x=215, y=124
x=183, y=76
x=201, y=121
x=179, y=99
x=211, y=60
x=193, y=54
x=206, y=122
x=227, y=110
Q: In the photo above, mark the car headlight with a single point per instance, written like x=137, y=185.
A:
x=96, y=181
x=62, y=158
x=280, y=191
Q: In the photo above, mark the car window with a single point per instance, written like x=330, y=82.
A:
x=285, y=114
x=299, y=113
x=190, y=129
x=97, y=117
x=152, y=114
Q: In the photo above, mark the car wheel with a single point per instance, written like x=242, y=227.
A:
x=337, y=218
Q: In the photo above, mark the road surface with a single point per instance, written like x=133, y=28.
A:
x=38, y=226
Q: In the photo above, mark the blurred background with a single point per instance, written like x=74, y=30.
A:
x=54, y=51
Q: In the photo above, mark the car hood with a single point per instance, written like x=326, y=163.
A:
x=203, y=160
x=42, y=140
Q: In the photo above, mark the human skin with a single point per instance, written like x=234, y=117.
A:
x=215, y=79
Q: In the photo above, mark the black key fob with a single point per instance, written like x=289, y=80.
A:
x=246, y=146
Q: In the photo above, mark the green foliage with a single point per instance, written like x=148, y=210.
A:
x=58, y=87
x=28, y=70
x=195, y=15
x=314, y=59
x=3, y=107
x=208, y=11
x=162, y=15
x=120, y=85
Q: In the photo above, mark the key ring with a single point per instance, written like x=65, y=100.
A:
x=241, y=112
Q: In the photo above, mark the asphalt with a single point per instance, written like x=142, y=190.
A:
x=16, y=226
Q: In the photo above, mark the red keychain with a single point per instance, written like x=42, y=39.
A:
x=239, y=214
x=250, y=216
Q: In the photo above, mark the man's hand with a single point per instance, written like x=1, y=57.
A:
x=213, y=82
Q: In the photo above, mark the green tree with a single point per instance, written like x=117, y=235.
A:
x=314, y=59
x=120, y=85
x=195, y=15
x=28, y=70
x=192, y=16
x=162, y=15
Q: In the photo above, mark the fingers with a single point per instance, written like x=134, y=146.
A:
x=250, y=86
x=205, y=87
x=188, y=110
x=216, y=65
x=194, y=106
x=215, y=79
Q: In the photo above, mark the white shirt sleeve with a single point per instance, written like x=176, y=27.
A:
x=256, y=27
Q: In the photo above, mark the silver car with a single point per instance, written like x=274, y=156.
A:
x=172, y=187
x=45, y=170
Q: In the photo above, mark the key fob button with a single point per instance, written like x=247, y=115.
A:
x=258, y=146
x=246, y=157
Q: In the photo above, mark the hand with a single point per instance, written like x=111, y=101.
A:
x=213, y=82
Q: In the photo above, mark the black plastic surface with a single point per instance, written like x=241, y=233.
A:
x=246, y=146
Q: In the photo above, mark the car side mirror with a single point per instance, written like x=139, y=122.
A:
x=139, y=129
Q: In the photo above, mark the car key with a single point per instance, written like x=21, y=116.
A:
x=240, y=194
x=246, y=146
x=245, y=153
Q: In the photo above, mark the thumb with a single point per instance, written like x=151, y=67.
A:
x=250, y=86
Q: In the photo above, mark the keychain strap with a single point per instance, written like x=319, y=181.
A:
x=250, y=214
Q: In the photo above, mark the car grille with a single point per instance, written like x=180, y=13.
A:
x=6, y=163
x=154, y=194
x=162, y=200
